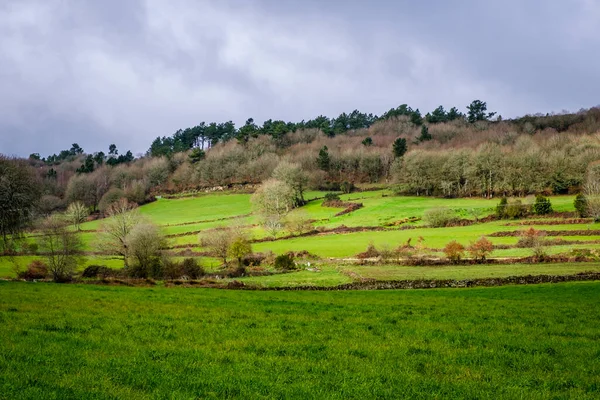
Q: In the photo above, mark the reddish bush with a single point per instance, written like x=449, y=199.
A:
x=36, y=270
x=481, y=249
x=371, y=252
x=454, y=251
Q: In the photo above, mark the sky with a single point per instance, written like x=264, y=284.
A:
x=127, y=71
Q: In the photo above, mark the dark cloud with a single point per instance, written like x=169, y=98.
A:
x=128, y=71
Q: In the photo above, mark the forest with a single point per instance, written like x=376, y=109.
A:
x=443, y=153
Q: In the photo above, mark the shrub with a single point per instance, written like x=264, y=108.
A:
x=542, y=205
x=439, y=217
x=529, y=237
x=235, y=272
x=284, y=262
x=331, y=197
x=31, y=248
x=501, y=208
x=240, y=247
x=93, y=271
x=112, y=196
x=298, y=223
x=135, y=192
x=328, y=186
x=454, y=251
x=481, y=249
x=347, y=187
x=534, y=239
x=254, y=259
x=581, y=205
x=149, y=268
x=35, y=270
x=172, y=270
x=515, y=210
x=191, y=268
x=371, y=252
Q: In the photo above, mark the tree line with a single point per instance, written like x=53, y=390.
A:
x=210, y=134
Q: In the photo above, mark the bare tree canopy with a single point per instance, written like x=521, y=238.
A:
x=19, y=194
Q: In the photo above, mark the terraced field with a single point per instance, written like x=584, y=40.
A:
x=381, y=222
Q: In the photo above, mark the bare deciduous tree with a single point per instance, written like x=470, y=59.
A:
x=62, y=248
x=217, y=242
x=122, y=217
x=77, y=213
x=298, y=223
x=274, y=197
x=145, y=242
x=273, y=225
x=292, y=175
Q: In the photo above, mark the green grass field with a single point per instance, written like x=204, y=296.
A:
x=92, y=342
x=401, y=272
x=191, y=217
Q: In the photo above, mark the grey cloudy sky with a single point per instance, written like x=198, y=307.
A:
x=126, y=71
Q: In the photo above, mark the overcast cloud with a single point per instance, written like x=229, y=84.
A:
x=126, y=71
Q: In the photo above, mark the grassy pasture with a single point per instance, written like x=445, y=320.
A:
x=377, y=212
x=73, y=342
x=188, y=215
x=396, y=272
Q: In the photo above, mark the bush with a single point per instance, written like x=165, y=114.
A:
x=235, y=272
x=329, y=186
x=454, y=251
x=581, y=205
x=254, y=259
x=192, y=269
x=534, y=239
x=501, y=208
x=172, y=270
x=95, y=271
x=530, y=238
x=112, y=196
x=371, y=252
x=35, y=270
x=331, y=197
x=439, y=217
x=239, y=248
x=347, y=187
x=150, y=268
x=542, y=205
x=135, y=192
x=31, y=248
x=481, y=249
x=285, y=262
x=515, y=210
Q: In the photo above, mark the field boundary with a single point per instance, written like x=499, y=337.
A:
x=432, y=283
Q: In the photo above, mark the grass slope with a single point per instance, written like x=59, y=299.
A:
x=395, y=272
x=72, y=342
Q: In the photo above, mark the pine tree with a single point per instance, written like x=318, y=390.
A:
x=399, y=147
x=425, y=135
x=323, y=161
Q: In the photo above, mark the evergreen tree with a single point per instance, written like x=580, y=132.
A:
x=323, y=161
x=542, y=205
x=425, y=135
x=477, y=112
x=416, y=118
x=501, y=208
x=399, y=147
x=454, y=114
x=581, y=205
x=196, y=155
x=87, y=166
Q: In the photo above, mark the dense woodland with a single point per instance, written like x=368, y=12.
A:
x=443, y=153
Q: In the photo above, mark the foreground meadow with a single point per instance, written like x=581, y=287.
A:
x=80, y=341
